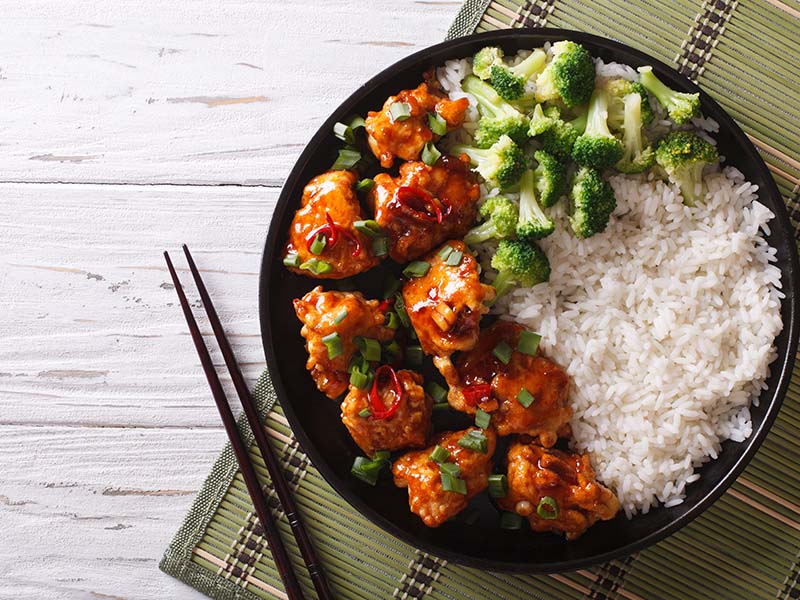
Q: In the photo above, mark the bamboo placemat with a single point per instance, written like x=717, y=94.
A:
x=747, y=545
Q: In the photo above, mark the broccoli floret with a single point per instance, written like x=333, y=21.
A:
x=541, y=122
x=510, y=82
x=617, y=90
x=682, y=107
x=551, y=178
x=501, y=165
x=500, y=217
x=484, y=59
x=683, y=154
x=591, y=202
x=569, y=77
x=518, y=262
x=556, y=136
x=498, y=117
x=597, y=147
x=638, y=156
x=533, y=223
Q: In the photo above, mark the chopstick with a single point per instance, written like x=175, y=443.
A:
x=310, y=559
x=271, y=533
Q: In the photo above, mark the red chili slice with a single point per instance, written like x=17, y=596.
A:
x=477, y=393
x=379, y=410
x=332, y=230
x=385, y=304
x=421, y=202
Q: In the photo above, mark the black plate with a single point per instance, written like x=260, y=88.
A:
x=315, y=419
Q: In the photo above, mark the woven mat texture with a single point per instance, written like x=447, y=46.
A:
x=747, y=545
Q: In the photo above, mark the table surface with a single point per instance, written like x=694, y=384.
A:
x=127, y=128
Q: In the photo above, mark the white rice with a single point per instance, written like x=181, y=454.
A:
x=665, y=323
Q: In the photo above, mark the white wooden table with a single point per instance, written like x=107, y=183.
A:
x=127, y=128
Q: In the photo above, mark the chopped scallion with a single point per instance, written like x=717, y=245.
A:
x=437, y=124
x=381, y=455
x=525, y=398
x=333, y=343
x=319, y=243
x=547, y=509
x=439, y=454
x=292, y=259
x=347, y=159
x=390, y=286
x=453, y=484
x=370, y=348
x=344, y=133
x=360, y=380
x=393, y=349
x=364, y=413
x=528, y=342
x=367, y=470
x=316, y=266
x=418, y=268
x=430, y=154
x=441, y=406
x=369, y=227
x=341, y=316
x=365, y=185
x=510, y=520
x=400, y=111
x=454, y=259
x=498, y=485
x=380, y=247
x=503, y=352
x=445, y=251
x=391, y=321
x=482, y=419
x=474, y=440
x=451, y=469
x=414, y=356
x=435, y=391
x=400, y=309
x=356, y=122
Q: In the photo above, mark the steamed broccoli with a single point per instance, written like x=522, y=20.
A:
x=510, y=82
x=591, y=202
x=500, y=217
x=518, y=262
x=498, y=117
x=501, y=165
x=597, y=147
x=683, y=155
x=484, y=59
x=569, y=77
x=680, y=105
x=638, y=156
x=551, y=177
x=617, y=90
x=557, y=137
x=533, y=223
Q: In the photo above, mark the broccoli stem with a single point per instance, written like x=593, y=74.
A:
x=532, y=65
x=597, y=116
x=489, y=101
x=663, y=93
x=503, y=283
x=481, y=233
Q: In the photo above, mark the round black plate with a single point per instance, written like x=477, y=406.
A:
x=315, y=419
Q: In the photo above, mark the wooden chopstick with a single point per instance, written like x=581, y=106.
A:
x=273, y=467
x=274, y=541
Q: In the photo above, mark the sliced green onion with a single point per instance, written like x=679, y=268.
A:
x=400, y=309
x=333, y=343
x=365, y=185
x=370, y=348
x=453, y=484
x=292, y=259
x=482, y=419
x=341, y=316
x=319, y=243
x=441, y=406
x=400, y=111
x=316, y=266
x=360, y=380
x=356, y=122
x=528, y=342
x=381, y=455
x=437, y=124
x=510, y=520
x=455, y=258
x=391, y=321
x=547, y=509
x=445, y=252
x=475, y=441
x=435, y=391
x=364, y=413
x=390, y=286
x=380, y=247
x=369, y=227
x=439, y=454
x=451, y=469
x=393, y=349
x=503, y=352
x=430, y=154
x=347, y=159
x=525, y=398
x=498, y=485
x=418, y=268
x=368, y=470
x=414, y=356
x=346, y=131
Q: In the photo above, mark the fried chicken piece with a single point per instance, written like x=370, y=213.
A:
x=479, y=379
x=422, y=476
x=408, y=427
x=445, y=305
x=318, y=310
x=329, y=206
x=390, y=137
x=425, y=205
x=576, y=500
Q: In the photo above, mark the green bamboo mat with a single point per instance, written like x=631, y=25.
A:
x=747, y=545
